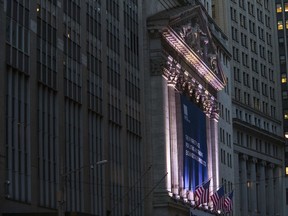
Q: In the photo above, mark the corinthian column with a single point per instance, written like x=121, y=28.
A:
x=253, y=185
x=214, y=148
x=244, y=203
x=271, y=190
x=262, y=189
x=278, y=191
x=173, y=140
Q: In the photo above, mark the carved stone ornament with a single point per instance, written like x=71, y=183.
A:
x=185, y=32
x=195, y=36
x=183, y=82
x=157, y=64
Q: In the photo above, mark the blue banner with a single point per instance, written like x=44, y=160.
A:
x=194, y=144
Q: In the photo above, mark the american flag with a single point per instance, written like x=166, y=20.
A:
x=202, y=192
x=228, y=203
x=218, y=199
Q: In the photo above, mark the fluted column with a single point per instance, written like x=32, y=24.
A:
x=271, y=190
x=252, y=165
x=278, y=196
x=237, y=187
x=244, y=203
x=214, y=152
x=262, y=189
x=209, y=150
x=173, y=140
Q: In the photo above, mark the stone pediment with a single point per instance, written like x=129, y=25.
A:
x=187, y=31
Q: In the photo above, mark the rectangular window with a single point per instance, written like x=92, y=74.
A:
x=284, y=95
x=280, y=25
x=278, y=8
x=286, y=117
x=286, y=7
x=283, y=78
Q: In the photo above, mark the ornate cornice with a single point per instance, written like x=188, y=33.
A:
x=182, y=81
x=193, y=59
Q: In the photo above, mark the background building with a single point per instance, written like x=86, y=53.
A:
x=119, y=80
x=282, y=28
x=257, y=119
x=71, y=95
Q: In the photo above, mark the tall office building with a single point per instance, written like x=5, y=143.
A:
x=282, y=29
x=257, y=119
x=71, y=96
x=136, y=83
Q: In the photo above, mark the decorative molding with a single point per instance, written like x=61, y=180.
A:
x=182, y=81
x=193, y=59
x=157, y=63
x=263, y=163
x=244, y=157
x=254, y=160
x=194, y=36
x=271, y=165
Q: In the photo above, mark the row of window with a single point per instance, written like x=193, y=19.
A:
x=280, y=25
x=225, y=137
x=256, y=143
x=17, y=35
x=225, y=117
x=93, y=19
x=253, y=62
x=18, y=149
x=48, y=146
x=228, y=186
x=246, y=77
x=242, y=4
x=94, y=92
x=257, y=121
x=243, y=23
x=95, y=134
x=226, y=158
x=255, y=102
x=279, y=8
x=74, y=154
x=72, y=9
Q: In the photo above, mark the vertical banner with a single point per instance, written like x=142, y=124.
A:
x=194, y=144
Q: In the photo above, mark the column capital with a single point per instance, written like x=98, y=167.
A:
x=263, y=163
x=253, y=160
x=271, y=165
x=244, y=157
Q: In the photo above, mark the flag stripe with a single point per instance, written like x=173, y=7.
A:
x=202, y=193
x=218, y=199
x=228, y=204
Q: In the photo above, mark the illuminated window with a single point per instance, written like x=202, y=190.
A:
x=279, y=8
x=286, y=24
x=285, y=116
x=286, y=170
x=286, y=7
x=283, y=78
x=280, y=25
